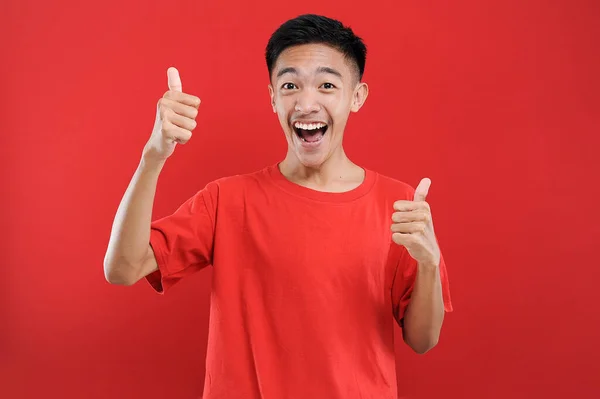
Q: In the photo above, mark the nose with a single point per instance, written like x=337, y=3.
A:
x=306, y=103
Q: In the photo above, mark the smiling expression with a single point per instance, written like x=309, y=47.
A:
x=313, y=89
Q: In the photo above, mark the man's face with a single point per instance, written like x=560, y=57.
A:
x=313, y=90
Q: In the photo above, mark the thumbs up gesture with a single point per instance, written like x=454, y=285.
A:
x=412, y=227
x=175, y=119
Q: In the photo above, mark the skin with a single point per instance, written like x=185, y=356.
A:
x=412, y=227
x=309, y=83
x=315, y=82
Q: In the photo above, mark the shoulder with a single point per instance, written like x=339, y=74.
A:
x=240, y=181
x=391, y=187
x=236, y=185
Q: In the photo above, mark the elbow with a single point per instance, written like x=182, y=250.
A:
x=421, y=343
x=423, y=346
x=116, y=274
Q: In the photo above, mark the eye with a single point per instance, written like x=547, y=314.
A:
x=328, y=86
x=288, y=86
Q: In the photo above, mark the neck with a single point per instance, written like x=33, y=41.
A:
x=336, y=173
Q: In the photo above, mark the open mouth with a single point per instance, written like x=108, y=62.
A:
x=310, y=132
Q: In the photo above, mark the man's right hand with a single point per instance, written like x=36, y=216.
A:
x=175, y=120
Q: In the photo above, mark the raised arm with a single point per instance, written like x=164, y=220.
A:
x=129, y=256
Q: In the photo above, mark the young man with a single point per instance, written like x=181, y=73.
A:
x=314, y=257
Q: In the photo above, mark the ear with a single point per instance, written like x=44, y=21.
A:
x=360, y=96
x=272, y=95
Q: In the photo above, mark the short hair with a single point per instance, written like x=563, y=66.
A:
x=316, y=29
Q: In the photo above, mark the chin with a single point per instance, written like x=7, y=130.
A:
x=311, y=156
x=311, y=161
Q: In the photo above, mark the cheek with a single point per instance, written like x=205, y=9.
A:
x=284, y=113
x=338, y=108
x=284, y=105
x=281, y=109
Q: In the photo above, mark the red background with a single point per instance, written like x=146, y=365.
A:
x=497, y=102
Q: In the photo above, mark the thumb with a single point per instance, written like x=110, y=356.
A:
x=174, y=79
x=422, y=189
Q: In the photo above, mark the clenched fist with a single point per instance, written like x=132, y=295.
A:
x=175, y=119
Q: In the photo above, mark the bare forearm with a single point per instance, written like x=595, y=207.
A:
x=425, y=313
x=130, y=235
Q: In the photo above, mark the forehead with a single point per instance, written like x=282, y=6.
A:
x=307, y=58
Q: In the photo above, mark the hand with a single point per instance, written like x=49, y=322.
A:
x=412, y=227
x=175, y=119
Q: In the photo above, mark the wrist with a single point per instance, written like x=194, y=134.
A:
x=428, y=266
x=150, y=164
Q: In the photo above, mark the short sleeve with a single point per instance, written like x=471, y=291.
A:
x=183, y=241
x=404, y=282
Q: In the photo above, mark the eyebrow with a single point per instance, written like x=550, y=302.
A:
x=293, y=71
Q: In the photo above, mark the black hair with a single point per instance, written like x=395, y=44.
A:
x=317, y=29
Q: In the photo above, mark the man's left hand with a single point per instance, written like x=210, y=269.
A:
x=412, y=227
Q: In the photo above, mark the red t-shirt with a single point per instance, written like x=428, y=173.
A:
x=306, y=284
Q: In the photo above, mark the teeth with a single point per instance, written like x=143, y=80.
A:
x=309, y=126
